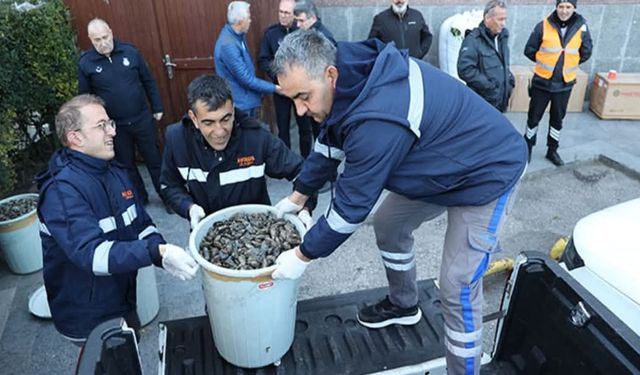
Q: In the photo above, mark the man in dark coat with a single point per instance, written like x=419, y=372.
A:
x=117, y=72
x=270, y=43
x=307, y=18
x=404, y=26
x=484, y=57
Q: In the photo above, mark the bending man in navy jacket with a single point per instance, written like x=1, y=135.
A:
x=218, y=157
x=400, y=124
x=116, y=72
x=95, y=233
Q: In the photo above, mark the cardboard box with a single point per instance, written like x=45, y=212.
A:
x=618, y=98
x=519, y=101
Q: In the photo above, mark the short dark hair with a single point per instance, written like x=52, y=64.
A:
x=211, y=89
x=307, y=7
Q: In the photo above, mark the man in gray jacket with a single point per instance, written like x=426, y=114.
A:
x=484, y=57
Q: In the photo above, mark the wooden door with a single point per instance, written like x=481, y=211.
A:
x=185, y=31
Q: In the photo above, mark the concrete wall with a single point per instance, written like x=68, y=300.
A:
x=615, y=26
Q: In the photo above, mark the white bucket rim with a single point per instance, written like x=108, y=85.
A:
x=38, y=303
x=224, y=214
x=23, y=216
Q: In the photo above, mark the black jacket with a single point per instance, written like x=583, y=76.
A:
x=484, y=69
x=575, y=24
x=318, y=25
x=409, y=32
x=193, y=172
x=271, y=40
x=123, y=80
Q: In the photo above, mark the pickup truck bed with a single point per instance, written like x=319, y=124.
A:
x=549, y=325
x=328, y=340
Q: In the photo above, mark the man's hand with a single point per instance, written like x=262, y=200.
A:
x=290, y=265
x=177, y=262
x=286, y=206
x=196, y=213
x=306, y=218
x=158, y=116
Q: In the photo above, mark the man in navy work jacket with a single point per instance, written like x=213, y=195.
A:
x=218, y=156
x=268, y=47
x=402, y=125
x=234, y=63
x=95, y=233
x=116, y=72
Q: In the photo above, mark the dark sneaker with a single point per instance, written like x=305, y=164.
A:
x=168, y=208
x=554, y=157
x=385, y=313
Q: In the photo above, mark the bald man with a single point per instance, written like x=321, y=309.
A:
x=116, y=72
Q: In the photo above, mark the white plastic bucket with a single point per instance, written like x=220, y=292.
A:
x=452, y=33
x=20, y=240
x=147, y=301
x=252, y=316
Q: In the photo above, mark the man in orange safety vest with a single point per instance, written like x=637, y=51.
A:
x=557, y=45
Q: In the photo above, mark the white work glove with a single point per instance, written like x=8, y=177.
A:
x=177, y=262
x=196, y=213
x=306, y=218
x=289, y=266
x=286, y=206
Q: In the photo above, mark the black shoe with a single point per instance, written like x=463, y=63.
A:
x=145, y=201
x=168, y=208
x=554, y=157
x=385, y=313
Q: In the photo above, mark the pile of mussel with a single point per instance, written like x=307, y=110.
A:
x=248, y=241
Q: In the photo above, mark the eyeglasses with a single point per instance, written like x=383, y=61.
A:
x=105, y=125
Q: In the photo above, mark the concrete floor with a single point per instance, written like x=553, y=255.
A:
x=549, y=203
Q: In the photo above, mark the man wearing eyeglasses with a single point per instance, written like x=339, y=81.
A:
x=117, y=72
x=218, y=157
x=95, y=231
x=307, y=18
x=270, y=43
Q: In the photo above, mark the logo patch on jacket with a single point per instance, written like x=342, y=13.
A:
x=127, y=194
x=98, y=69
x=245, y=161
x=125, y=62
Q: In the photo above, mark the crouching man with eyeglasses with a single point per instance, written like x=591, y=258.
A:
x=95, y=232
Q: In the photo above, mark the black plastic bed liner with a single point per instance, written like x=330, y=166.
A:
x=328, y=339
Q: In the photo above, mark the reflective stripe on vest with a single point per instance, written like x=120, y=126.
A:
x=550, y=50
